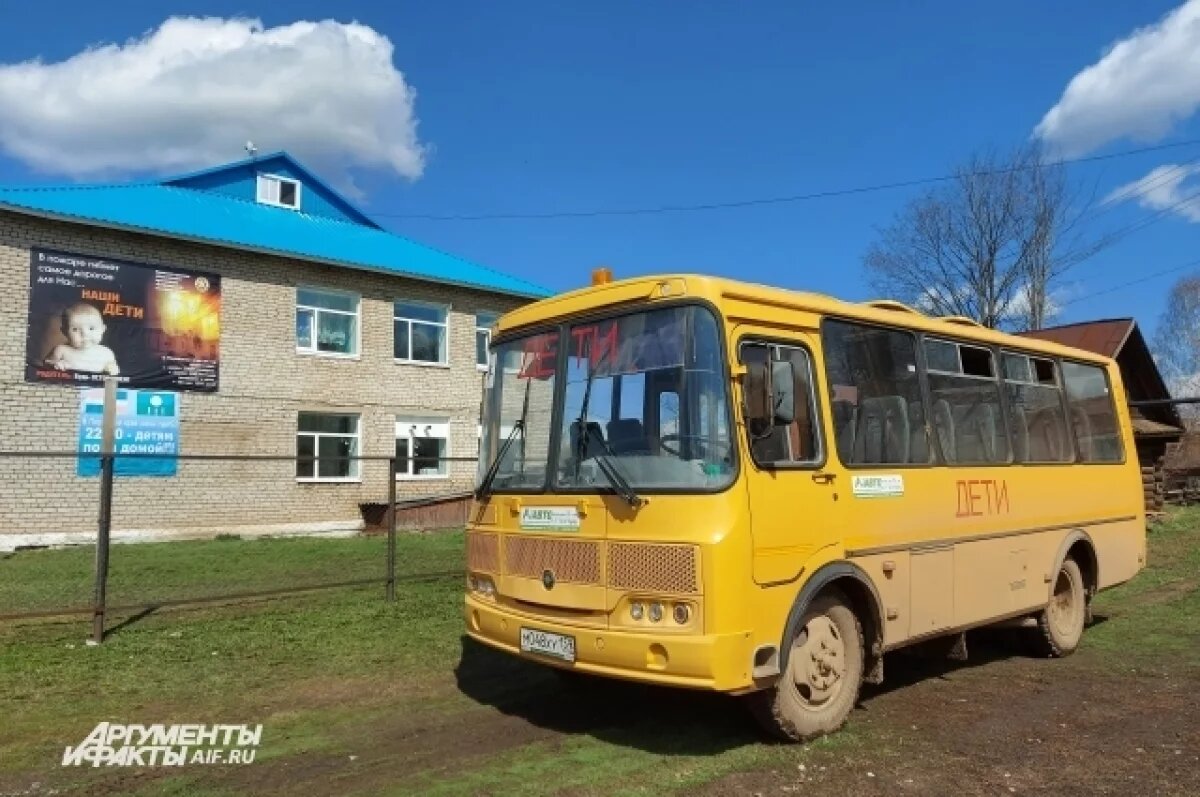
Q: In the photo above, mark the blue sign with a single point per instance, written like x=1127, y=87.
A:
x=147, y=422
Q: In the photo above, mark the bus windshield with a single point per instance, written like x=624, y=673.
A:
x=645, y=395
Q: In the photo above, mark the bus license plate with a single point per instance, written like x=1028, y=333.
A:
x=547, y=644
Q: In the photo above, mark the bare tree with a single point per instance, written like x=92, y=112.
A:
x=990, y=245
x=1177, y=343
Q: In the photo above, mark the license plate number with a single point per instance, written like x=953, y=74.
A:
x=545, y=643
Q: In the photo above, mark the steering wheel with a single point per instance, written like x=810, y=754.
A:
x=724, y=447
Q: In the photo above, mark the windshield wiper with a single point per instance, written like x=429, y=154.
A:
x=616, y=478
x=607, y=466
x=485, y=485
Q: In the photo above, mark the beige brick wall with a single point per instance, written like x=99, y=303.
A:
x=264, y=384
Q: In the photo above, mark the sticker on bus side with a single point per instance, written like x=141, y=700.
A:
x=882, y=486
x=550, y=518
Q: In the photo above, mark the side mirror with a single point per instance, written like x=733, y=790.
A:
x=770, y=394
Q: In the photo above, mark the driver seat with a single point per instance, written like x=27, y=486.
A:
x=628, y=436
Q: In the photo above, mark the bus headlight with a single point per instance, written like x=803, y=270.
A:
x=656, y=612
x=636, y=611
x=681, y=613
x=483, y=585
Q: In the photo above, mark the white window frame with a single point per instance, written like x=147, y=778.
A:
x=483, y=366
x=355, y=476
x=267, y=190
x=428, y=426
x=313, y=351
x=445, y=325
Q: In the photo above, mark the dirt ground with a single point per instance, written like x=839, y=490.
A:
x=1001, y=723
x=1008, y=726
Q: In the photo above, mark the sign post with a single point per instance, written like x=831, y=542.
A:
x=104, y=524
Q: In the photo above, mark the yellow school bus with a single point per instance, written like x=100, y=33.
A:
x=703, y=483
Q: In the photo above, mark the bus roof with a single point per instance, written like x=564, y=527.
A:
x=752, y=301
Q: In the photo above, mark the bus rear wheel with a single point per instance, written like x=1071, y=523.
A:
x=819, y=685
x=1060, y=624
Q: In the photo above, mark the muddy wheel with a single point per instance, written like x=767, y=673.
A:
x=1060, y=624
x=820, y=683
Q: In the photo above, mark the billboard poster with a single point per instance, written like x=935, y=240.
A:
x=147, y=422
x=150, y=327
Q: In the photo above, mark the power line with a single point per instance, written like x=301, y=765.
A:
x=1130, y=283
x=838, y=192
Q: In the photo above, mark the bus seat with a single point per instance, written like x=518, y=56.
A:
x=845, y=421
x=595, y=439
x=918, y=447
x=989, y=428
x=1046, y=443
x=943, y=425
x=882, y=435
x=1083, y=433
x=627, y=436
x=1020, y=434
x=976, y=431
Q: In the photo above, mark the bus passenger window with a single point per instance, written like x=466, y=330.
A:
x=966, y=403
x=796, y=442
x=1092, y=415
x=875, y=394
x=1036, y=420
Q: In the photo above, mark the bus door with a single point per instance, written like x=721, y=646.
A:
x=794, y=479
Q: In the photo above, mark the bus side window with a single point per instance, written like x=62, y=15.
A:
x=797, y=442
x=875, y=394
x=1092, y=415
x=1035, y=409
x=966, y=402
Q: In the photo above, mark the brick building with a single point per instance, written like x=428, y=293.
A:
x=273, y=318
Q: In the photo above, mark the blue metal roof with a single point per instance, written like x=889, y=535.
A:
x=218, y=218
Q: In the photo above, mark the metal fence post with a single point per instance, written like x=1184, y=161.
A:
x=103, y=528
x=391, y=531
x=104, y=522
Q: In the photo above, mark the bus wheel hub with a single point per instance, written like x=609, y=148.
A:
x=823, y=656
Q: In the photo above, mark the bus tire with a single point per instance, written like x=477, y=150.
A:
x=1060, y=624
x=820, y=682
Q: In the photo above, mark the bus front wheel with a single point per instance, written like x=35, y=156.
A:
x=819, y=685
x=1060, y=624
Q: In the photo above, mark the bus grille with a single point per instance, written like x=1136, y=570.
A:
x=483, y=552
x=572, y=561
x=660, y=568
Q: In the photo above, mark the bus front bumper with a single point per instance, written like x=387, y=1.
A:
x=718, y=662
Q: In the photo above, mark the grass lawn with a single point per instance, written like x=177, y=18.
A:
x=360, y=696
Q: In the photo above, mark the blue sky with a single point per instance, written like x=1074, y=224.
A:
x=535, y=107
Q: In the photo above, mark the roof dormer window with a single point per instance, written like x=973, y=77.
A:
x=279, y=191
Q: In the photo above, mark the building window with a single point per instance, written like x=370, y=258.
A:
x=484, y=321
x=279, y=191
x=420, y=332
x=326, y=322
x=422, y=445
x=325, y=444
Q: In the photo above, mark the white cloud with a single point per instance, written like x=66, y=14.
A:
x=1164, y=189
x=1140, y=88
x=192, y=92
x=1014, y=311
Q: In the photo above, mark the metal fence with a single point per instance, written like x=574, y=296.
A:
x=73, y=499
